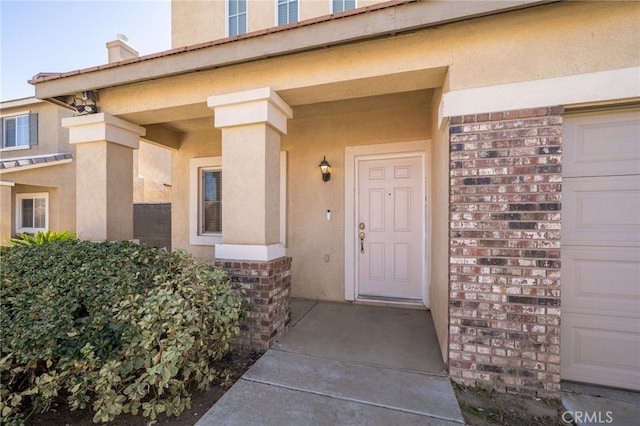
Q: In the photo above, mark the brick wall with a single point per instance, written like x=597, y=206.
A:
x=505, y=176
x=267, y=286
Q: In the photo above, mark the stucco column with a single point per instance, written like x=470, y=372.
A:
x=104, y=175
x=252, y=123
x=5, y=211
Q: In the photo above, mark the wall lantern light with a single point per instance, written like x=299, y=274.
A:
x=324, y=168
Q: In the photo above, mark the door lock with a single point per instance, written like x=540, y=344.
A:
x=361, y=235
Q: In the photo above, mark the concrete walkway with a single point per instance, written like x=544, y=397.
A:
x=343, y=364
x=590, y=405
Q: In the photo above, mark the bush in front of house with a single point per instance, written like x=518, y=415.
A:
x=115, y=326
x=41, y=237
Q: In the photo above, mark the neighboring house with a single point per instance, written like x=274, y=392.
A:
x=484, y=164
x=37, y=174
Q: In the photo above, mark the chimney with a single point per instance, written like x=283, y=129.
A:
x=119, y=49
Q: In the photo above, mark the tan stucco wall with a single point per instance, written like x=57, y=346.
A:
x=252, y=185
x=194, y=145
x=546, y=42
x=439, y=244
x=210, y=17
x=62, y=196
x=151, y=174
x=105, y=191
x=51, y=137
x=327, y=129
x=315, y=131
x=5, y=212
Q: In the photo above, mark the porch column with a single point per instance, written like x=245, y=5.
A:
x=6, y=230
x=252, y=123
x=251, y=252
x=104, y=175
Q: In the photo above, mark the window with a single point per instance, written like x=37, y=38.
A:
x=210, y=202
x=237, y=12
x=287, y=11
x=342, y=5
x=205, y=200
x=19, y=130
x=32, y=213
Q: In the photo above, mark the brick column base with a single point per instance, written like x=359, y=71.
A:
x=267, y=287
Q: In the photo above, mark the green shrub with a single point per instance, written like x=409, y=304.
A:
x=41, y=237
x=115, y=326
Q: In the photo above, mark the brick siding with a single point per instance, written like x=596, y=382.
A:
x=504, y=248
x=267, y=286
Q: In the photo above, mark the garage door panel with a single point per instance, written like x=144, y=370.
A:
x=602, y=145
x=601, y=249
x=601, y=350
x=601, y=211
x=604, y=280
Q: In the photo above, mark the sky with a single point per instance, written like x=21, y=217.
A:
x=67, y=35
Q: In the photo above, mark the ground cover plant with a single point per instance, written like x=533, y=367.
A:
x=115, y=327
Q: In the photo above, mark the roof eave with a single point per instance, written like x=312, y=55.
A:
x=399, y=17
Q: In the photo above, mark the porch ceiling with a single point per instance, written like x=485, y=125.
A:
x=196, y=117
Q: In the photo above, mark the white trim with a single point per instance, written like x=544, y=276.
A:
x=22, y=102
x=262, y=105
x=7, y=183
x=352, y=155
x=31, y=195
x=15, y=114
x=574, y=89
x=103, y=127
x=283, y=198
x=195, y=166
x=250, y=252
x=14, y=148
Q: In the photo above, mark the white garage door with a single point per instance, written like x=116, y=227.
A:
x=601, y=249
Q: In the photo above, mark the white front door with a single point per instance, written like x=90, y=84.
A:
x=391, y=228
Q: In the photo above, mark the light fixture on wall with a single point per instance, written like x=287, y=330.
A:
x=324, y=168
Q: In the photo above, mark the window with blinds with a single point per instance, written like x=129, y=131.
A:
x=32, y=213
x=211, y=204
x=342, y=5
x=237, y=12
x=19, y=130
x=287, y=11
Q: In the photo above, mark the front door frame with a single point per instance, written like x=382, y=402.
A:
x=352, y=154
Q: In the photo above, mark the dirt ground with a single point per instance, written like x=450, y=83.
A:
x=235, y=364
x=479, y=407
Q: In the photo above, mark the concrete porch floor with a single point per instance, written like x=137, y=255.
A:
x=343, y=364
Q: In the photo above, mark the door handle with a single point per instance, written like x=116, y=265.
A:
x=361, y=235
